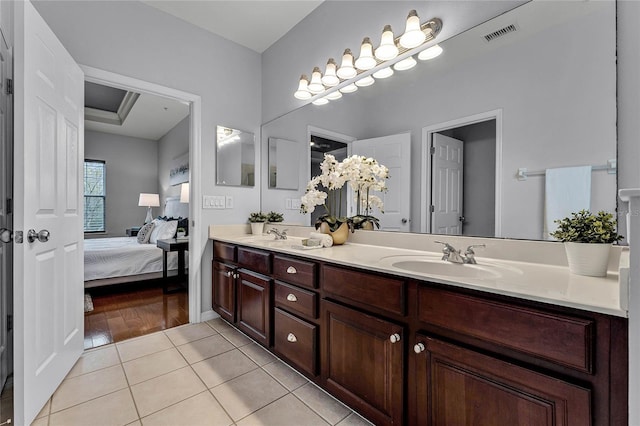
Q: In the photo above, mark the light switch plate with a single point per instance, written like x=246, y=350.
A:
x=287, y=204
x=229, y=202
x=213, y=201
x=296, y=203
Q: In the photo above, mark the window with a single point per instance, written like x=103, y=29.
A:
x=94, y=195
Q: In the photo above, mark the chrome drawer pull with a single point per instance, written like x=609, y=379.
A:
x=291, y=270
x=394, y=338
x=292, y=297
x=292, y=338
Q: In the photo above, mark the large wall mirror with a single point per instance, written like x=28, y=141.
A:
x=235, y=157
x=540, y=96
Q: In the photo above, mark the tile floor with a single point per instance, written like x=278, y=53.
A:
x=195, y=374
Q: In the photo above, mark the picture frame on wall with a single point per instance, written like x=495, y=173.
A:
x=179, y=172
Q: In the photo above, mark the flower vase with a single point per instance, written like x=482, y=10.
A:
x=367, y=225
x=590, y=259
x=339, y=236
x=257, y=228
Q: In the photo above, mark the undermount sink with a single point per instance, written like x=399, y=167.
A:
x=434, y=265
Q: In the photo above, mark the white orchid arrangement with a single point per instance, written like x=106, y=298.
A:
x=364, y=176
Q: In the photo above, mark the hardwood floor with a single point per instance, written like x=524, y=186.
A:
x=125, y=311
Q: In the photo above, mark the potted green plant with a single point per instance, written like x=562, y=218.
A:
x=587, y=238
x=257, y=221
x=274, y=217
x=181, y=232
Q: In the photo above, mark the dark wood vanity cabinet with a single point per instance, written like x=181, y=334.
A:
x=223, y=290
x=254, y=305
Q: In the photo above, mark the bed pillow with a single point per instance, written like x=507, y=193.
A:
x=145, y=233
x=163, y=230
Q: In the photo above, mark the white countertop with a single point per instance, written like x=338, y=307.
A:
x=540, y=282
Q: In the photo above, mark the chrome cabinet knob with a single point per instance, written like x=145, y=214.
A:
x=292, y=297
x=419, y=347
x=6, y=235
x=229, y=274
x=42, y=236
x=292, y=270
x=394, y=338
x=292, y=338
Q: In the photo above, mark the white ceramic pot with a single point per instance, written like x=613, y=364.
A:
x=590, y=259
x=257, y=228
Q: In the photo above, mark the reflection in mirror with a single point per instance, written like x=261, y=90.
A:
x=235, y=157
x=283, y=164
x=550, y=92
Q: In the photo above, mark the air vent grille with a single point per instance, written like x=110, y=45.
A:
x=501, y=32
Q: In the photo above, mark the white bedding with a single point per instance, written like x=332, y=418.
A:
x=122, y=256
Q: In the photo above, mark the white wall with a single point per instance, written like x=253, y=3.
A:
x=174, y=144
x=131, y=168
x=136, y=40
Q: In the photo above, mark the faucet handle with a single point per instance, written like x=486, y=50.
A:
x=471, y=247
x=448, y=247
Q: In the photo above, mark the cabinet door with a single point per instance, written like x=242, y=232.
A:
x=223, y=291
x=457, y=386
x=253, y=306
x=361, y=365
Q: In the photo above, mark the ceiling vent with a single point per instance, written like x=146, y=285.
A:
x=501, y=32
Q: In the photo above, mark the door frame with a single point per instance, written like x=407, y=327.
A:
x=99, y=76
x=425, y=174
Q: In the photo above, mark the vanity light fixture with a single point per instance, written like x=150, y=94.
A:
x=392, y=53
x=430, y=53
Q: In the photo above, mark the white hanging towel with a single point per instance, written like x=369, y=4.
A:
x=567, y=190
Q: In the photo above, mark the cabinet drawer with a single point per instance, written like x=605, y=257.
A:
x=365, y=289
x=558, y=338
x=296, y=299
x=224, y=251
x=255, y=260
x=296, y=340
x=295, y=271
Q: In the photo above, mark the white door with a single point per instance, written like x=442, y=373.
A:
x=48, y=156
x=446, y=192
x=393, y=151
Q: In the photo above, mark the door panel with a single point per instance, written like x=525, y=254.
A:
x=48, y=296
x=447, y=166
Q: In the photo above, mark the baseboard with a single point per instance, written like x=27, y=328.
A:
x=208, y=315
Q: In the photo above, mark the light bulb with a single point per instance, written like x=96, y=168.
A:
x=330, y=78
x=366, y=81
x=387, y=49
x=321, y=101
x=334, y=95
x=349, y=89
x=383, y=73
x=430, y=53
x=405, y=64
x=366, y=61
x=315, y=85
x=303, y=89
x=413, y=35
x=346, y=70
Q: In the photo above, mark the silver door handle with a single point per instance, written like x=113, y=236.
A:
x=6, y=235
x=42, y=236
x=404, y=220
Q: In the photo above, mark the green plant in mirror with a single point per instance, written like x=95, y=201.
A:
x=257, y=217
x=586, y=227
x=274, y=217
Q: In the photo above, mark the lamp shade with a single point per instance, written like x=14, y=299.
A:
x=405, y=64
x=430, y=53
x=387, y=49
x=303, y=89
x=315, y=85
x=330, y=78
x=184, y=193
x=413, y=35
x=346, y=70
x=366, y=61
x=149, y=200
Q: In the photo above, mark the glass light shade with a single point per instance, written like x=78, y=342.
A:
x=321, y=101
x=315, y=85
x=334, y=95
x=349, y=88
x=405, y=64
x=430, y=53
x=303, y=89
x=383, y=73
x=413, y=35
x=387, y=49
x=330, y=78
x=366, y=61
x=346, y=70
x=365, y=81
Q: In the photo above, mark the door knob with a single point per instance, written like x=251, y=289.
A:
x=404, y=220
x=461, y=218
x=6, y=235
x=42, y=236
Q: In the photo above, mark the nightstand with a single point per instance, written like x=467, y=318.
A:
x=133, y=231
x=173, y=245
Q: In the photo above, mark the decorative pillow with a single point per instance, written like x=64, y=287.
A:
x=165, y=230
x=156, y=230
x=145, y=233
x=182, y=222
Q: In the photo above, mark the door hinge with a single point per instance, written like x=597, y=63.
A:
x=8, y=88
x=433, y=208
x=433, y=150
x=9, y=206
x=9, y=322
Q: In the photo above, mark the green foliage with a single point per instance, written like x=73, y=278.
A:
x=274, y=217
x=359, y=221
x=585, y=227
x=257, y=217
x=181, y=230
x=333, y=222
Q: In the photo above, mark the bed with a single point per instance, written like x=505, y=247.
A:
x=123, y=259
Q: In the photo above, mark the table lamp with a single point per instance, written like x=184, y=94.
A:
x=149, y=200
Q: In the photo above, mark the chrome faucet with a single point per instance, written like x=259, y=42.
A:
x=280, y=235
x=450, y=254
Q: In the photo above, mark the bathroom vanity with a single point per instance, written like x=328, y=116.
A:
x=504, y=342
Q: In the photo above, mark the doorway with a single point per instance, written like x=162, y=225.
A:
x=480, y=199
